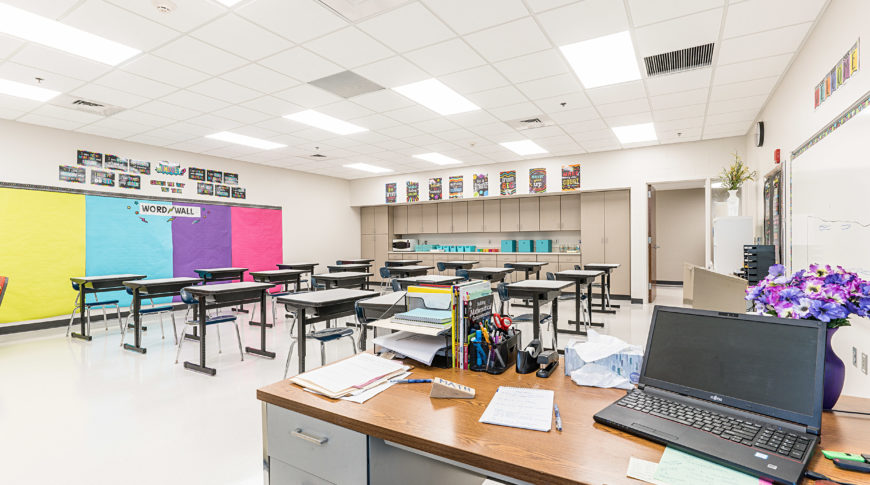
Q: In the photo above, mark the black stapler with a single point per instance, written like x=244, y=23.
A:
x=548, y=361
x=527, y=359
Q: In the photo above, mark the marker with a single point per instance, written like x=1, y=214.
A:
x=558, y=417
x=410, y=381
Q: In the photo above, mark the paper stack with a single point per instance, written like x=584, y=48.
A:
x=348, y=376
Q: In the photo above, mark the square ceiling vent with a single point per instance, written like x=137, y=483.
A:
x=86, y=105
x=346, y=84
x=354, y=10
x=530, y=123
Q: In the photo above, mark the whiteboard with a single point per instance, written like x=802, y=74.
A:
x=830, y=200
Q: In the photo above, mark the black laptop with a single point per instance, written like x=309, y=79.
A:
x=744, y=391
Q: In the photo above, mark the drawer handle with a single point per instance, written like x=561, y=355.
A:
x=307, y=437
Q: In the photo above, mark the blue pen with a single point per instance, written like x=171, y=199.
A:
x=558, y=417
x=410, y=381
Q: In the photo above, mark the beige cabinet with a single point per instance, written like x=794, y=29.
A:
x=430, y=218
x=367, y=246
x=568, y=261
x=445, y=218
x=485, y=260
x=617, y=239
x=426, y=260
x=367, y=220
x=492, y=216
x=460, y=216
x=475, y=216
x=441, y=258
x=510, y=215
x=382, y=251
x=569, y=219
x=530, y=214
x=592, y=227
x=415, y=219
x=400, y=220
x=550, y=215
x=500, y=261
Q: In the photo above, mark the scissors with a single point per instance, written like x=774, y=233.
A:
x=502, y=323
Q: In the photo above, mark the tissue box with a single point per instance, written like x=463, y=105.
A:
x=525, y=246
x=544, y=246
x=625, y=362
x=508, y=245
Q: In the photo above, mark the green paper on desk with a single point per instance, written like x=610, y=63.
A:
x=678, y=468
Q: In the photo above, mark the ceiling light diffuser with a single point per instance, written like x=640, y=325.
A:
x=635, y=133
x=603, y=60
x=436, y=96
x=229, y=3
x=325, y=122
x=523, y=147
x=437, y=158
x=21, y=90
x=35, y=28
x=365, y=167
x=245, y=140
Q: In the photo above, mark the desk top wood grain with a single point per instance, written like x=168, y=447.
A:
x=585, y=452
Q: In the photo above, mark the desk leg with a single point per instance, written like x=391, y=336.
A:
x=609, y=304
x=555, y=317
x=137, y=324
x=536, y=317
x=300, y=337
x=201, y=367
x=262, y=350
x=83, y=334
x=604, y=302
x=589, y=305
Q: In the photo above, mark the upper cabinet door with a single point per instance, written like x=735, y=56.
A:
x=492, y=216
x=570, y=209
x=382, y=219
x=400, y=220
x=445, y=217
x=510, y=215
x=367, y=220
x=530, y=214
x=430, y=218
x=550, y=215
x=415, y=219
x=460, y=216
x=475, y=216
x=592, y=227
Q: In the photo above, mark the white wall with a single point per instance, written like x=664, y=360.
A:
x=632, y=168
x=318, y=221
x=790, y=118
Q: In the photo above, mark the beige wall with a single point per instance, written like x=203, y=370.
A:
x=679, y=231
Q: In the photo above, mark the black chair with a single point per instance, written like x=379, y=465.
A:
x=396, y=286
x=385, y=277
x=563, y=296
x=463, y=273
x=152, y=310
x=441, y=267
x=191, y=300
x=96, y=304
x=544, y=318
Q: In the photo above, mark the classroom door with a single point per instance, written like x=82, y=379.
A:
x=651, y=241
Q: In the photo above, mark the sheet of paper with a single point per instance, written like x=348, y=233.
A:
x=642, y=470
x=519, y=407
x=359, y=370
x=421, y=348
x=678, y=468
x=362, y=396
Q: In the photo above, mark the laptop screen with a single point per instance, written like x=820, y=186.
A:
x=728, y=358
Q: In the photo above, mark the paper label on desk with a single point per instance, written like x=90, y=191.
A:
x=678, y=468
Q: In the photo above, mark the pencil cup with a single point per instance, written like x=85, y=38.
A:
x=494, y=359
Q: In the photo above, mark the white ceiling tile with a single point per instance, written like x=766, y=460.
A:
x=192, y=14
x=191, y=100
x=465, y=17
x=764, y=44
x=8, y=45
x=681, y=81
x=411, y=114
x=601, y=146
x=106, y=131
x=242, y=114
x=495, y=98
x=225, y=91
x=645, y=12
x=143, y=118
x=446, y=57
x=628, y=119
x=457, y=135
x=509, y=40
x=50, y=122
x=172, y=111
x=148, y=140
x=349, y=47
x=26, y=74
x=217, y=123
x=549, y=132
x=51, y=60
x=435, y=126
x=684, y=32
x=345, y=110
x=750, y=102
x=240, y=37
x=160, y=69
x=132, y=83
x=733, y=117
x=681, y=113
x=197, y=145
x=301, y=64
x=623, y=108
x=571, y=100
x=424, y=139
x=676, y=125
x=516, y=111
x=260, y=78
x=758, y=15
x=307, y=95
x=617, y=92
x=120, y=125
x=754, y=69
x=723, y=129
x=742, y=89
x=584, y=20
x=581, y=127
x=407, y=28
x=551, y=86
x=473, y=118
x=193, y=53
x=392, y=72
x=297, y=20
x=108, y=95
x=52, y=9
x=272, y=105
x=383, y=100
x=674, y=100
x=375, y=122
x=256, y=132
x=533, y=66
x=474, y=80
x=119, y=25
x=66, y=114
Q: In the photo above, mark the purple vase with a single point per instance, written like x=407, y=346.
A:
x=835, y=374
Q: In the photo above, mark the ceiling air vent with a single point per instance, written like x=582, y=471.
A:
x=318, y=155
x=530, y=123
x=86, y=105
x=346, y=84
x=681, y=60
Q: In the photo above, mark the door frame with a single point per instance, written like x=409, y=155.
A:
x=651, y=242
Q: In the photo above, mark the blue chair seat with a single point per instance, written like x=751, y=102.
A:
x=281, y=293
x=214, y=320
x=528, y=317
x=329, y=334
x=101, y=303
x=157, y=309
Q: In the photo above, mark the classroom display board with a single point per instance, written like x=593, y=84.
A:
x=52, y=236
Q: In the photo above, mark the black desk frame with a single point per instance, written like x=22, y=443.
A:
x=159, y=290
x=86, y=287
x=576, y=322
x=285, y=280
x=538, y=295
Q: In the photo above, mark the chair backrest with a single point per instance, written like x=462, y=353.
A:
x=75, y=286
x=396, y=286
x=508, y=265
x=338, y=262
x=187, y=298
x=463, y=273
x=551, y=276
x=360, y=314
x=385, y=273
x=4, y=283
x=578, y=267
x=129, y=291
x=441, y=267
x=503, y=292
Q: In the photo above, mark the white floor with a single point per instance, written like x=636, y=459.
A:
x=75, y=412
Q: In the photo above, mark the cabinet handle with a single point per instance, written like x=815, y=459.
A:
x=307, y=437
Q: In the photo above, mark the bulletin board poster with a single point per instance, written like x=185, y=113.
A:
x=413, y=191
x=129, y=181
x=215, y=176
x=101, y=177
x=435, y=188
x=571, y=177
x=843, y=70
x=537, y=180
x=69, y=173
x=480, y=184
x=231, y=178
x=196, y=174
x=114, y=162
x=455, y=187
x=508, y=182
x=204, y=188
x=89, y=159
x=140, y=167
x=238, y=193
x=390, y=193
x=222, y=190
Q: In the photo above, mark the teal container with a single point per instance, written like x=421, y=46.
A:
x=525, y=246
x=544, y=246
x=508, y=245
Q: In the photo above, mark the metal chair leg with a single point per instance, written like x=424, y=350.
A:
x=88, y=316
x=72, y=317
x=174, y=328
x=118, y=307
x=218, y=332
x=353, y=344
x=124, y=328
x=289, y=354
x=322, y=354
x=162, y=333
x=274, y=311
x=239, y=337
x=105, y=319
x=181, y=342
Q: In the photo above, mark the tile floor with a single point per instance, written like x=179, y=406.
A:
x=73, y=412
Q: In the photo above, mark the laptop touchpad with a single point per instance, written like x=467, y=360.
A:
x=654, y=432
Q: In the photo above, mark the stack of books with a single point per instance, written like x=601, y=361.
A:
x=424, y=317
x=350, y=376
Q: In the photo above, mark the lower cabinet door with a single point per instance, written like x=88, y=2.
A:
x=281, y=473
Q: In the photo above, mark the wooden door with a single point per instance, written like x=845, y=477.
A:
x=445, y=217
x=592, y=227
x=530, y=214
x=551, y=213
x=510, y=215
x=400, y=220
x=570, y=212
x=651, y=241
x=415, y=219
x=382, y=220
x=430, y=218
x=367, y=220
x=475, y=216
x=492, y=216
x=617, y=239
x=460, y=216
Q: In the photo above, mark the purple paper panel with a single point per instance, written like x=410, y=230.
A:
x=204, y=242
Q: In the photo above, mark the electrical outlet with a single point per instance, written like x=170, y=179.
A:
x=864, y=363
x=855, y=357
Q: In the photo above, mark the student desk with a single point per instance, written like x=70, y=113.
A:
x=580, y=277
x=401, y=262
x=540, y=291
x=493, y=275
x=459, y=264
x=356, y=261
x=211, y=275
x=225, y=295
x=98, y=284
x=528, y=267
x=380, y=307
x=283, y=277
x=428, y=280
x=408, y=271
x=337, y=268
x=306, y=267
x=151, y=288
x=347, y=279
x=402, y=431
x=607, y=268
x=325, y=305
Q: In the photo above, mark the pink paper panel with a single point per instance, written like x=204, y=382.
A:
x=256, y=238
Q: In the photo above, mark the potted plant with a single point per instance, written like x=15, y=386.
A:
x=822, y=293
x=732, y=178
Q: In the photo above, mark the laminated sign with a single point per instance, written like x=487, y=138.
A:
x=168, y=210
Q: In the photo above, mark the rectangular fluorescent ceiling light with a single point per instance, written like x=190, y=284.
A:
x=34, y=28
x=603, y=60
x=248, y=141
x=21, y=90
x=325, y=122
x=635, y=133
x=523, y=147
x=229, y=3
x=436, y=96
x=437, y=158
x=368, y=168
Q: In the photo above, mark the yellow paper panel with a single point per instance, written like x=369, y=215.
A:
x=41, y=247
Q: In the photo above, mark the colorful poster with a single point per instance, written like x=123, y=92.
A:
x=821, y=88
x=100, y=177
x=413, y=191
x=222, y=190
x=537, y=180
x=196, y=174
x=114, y=162
x=571, y=177
x=843, y=70
x=844, y=66
x=238, y=193
x=508, y=182
x=140, y=167
x=89, y=159
x=169, y=168
x=231, y=178
x=817, y=100
x=390, y=192
x=455, y=187
x=215, y=176
x=480, y=185
x=69, y=173
x=204, y=188
x=128, y=181
x=435, y=188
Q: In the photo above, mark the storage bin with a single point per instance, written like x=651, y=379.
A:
x=544, y=246
x=508, y=245
x=525, y=246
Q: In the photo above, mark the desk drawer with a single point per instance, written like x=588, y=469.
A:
x=325, y=450
x=281, y=473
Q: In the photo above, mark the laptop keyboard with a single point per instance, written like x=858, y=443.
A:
x=742, y=431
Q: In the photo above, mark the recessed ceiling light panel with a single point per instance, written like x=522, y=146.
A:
x=524, y=147
x=635, y=133
x=436, y=96
x=325, y=122
x=245, y=140
x=603, y=60
x=21, y=90
x=365, y=167
x=437, y=158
